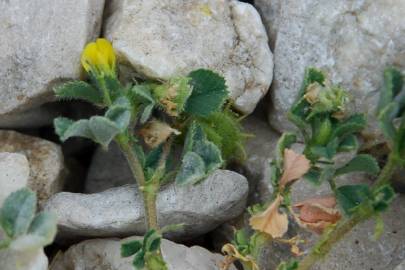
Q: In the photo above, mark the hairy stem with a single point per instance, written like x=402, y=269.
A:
x=329, y=238
x=137, y=171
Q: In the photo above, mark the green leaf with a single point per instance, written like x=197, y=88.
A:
x=317, y=176
x=386, y=117
x=143, y=91
x=99, y=129
x=120, y=113
x=130, y=248
x=208, y=95
x=351, y=125
x=351, y=196
x=103, y=130
x=383, y=196
x=17, y=212
x=292, y=265
x=66, y=128
x=321, y=130
x=393, y=83
x=399, y=143
x=153, y=242
x=78, y=90
x=210, y=154
x=349, y=143
x=41, y=233
x=205, y=156
x=139, y=260
x=225, y=131
x=360, y=163
x=192, y=169
x=153, y=157
x=147, y=112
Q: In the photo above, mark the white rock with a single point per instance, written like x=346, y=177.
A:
x=119, y=211
x=45, y=161
x=103, y=254
x=401, y=266
x=161, y=39
x=27, y=260
x=14, y=173
x=353, y=41
x=41, y=44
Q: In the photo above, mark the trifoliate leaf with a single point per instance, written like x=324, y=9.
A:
x=209, y=93
x=41, y=233
x=103, y=130
x=78, y=90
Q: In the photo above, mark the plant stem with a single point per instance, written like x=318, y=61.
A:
x=329, y=238
x=137, y=171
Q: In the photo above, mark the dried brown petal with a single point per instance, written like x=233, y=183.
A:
x=295, y=166
x=271, y=221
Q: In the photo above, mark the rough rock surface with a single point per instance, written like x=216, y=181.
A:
x=14, y=173
x=41, y=44
x=259, y=150
x=45, y=161
x=119, y=211
x=351, y=40
x=161, y=39
x=101, y=254
x=101, y=177
x=27, y=260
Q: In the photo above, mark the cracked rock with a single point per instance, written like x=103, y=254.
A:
x=41, y=44
x=353, y=41
x=119, y=211
x=160, y=39
x=93, y=254
x=46, y=163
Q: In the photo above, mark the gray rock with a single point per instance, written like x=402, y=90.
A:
x=360, y=251
x=45, y=160
x=14, y=173
x=101, y=177
x=26, y=260
x=31, y=118
x=353, y=41
x=41, y=44
x=119, y=211
x=401, y=266
x=259, y=151
x=160, y=39
x=104, y=254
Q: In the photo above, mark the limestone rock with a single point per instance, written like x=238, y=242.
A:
x=119, y=211
x=160, y=39
x=14, y=173
x=103, y=254
x=41, y=44
x=353, y=41
x=45, y=161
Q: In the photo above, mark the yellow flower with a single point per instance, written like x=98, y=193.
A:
x=99, y=58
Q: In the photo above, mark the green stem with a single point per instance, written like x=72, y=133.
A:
x=329, y=238
x=138, y=173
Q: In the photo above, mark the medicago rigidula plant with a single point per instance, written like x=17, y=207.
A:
x=327, y=130
x=147, y=120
